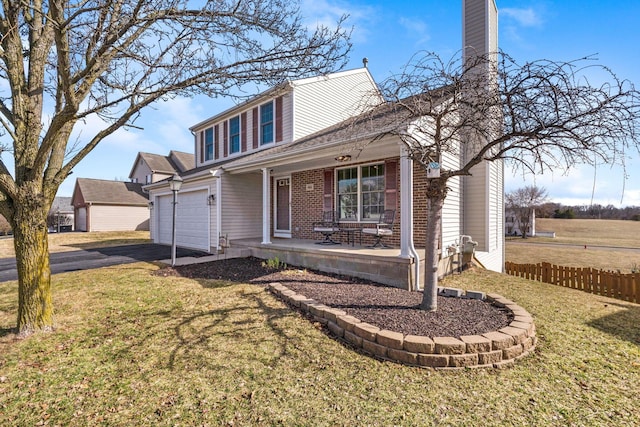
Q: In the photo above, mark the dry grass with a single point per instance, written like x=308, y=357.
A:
x=602, y=232
x=136, y=349
x=61, y=242
x=610, y=244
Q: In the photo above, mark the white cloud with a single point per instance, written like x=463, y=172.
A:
x=328, y=12
x=524, y=17
x=418, y=29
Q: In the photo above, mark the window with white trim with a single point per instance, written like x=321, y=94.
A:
x=208, y=144
x=234, y=135
x=266, y=123
x=360, y=192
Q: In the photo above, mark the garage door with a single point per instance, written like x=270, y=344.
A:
x=192, y=220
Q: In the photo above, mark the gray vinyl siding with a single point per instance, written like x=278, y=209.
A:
x=475, y=205
x=118, y=218
x=241, y=206
x=287, y=118
x=338, y=97
x=493, y=257
x=452, y=208
x=141, y=171
x=480, y=27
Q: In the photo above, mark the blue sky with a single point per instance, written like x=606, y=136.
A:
x=388, y=34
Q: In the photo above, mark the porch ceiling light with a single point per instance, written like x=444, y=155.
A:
x=343, y=158
x=175, y=182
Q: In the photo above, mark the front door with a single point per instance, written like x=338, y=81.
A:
x=282, y=221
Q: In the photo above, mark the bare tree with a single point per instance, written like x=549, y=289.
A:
x=64, y=62
x=522, y=203
x=488, y=108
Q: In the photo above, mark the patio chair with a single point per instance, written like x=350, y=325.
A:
x=383, y=228
x=328, y=226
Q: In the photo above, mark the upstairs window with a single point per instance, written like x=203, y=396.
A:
x=208, y=144
x=266, y=123
x=234, y=135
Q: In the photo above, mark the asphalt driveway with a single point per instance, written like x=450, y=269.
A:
x=100, y=257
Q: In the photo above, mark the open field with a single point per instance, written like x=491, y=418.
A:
x=132, y=348
x=601, y=232
x=615, y=235
x=60, y=242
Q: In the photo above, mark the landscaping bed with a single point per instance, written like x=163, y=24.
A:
x=388, y=322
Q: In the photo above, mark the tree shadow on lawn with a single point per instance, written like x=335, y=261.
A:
x=7, y=331
x=242, y=333
x=622, y=324
x=211, y=338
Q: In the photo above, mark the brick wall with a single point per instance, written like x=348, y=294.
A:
x=306, y=206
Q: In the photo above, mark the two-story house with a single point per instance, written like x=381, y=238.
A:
x=267, y=169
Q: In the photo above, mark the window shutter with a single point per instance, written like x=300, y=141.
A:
x=243, y=132
x=391, y=185
x=255, y=128
x=278, y=119
x=225, y=138
x=327, y=200
x=201, y=146
x=216, y=142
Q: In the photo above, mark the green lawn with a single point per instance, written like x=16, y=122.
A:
x=137, y=349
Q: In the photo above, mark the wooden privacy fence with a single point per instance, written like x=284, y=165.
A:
x=600, y=282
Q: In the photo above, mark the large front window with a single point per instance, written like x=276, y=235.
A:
x=266, y=123
x=361, y=192
x=234, y=135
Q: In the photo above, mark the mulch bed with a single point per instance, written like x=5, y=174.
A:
x=385, y=307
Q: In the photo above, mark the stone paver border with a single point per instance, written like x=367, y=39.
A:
x=496, y=349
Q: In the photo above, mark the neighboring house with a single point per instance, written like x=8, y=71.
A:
x=61, y=215
x=267, y=169
x=149, y=168
x=101, y=205
x=514, y=224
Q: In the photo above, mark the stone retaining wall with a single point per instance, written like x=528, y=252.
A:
x=496, y=349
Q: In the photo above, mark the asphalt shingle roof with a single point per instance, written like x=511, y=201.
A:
x=111, y=192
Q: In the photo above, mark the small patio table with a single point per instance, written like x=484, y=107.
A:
x=351, y=234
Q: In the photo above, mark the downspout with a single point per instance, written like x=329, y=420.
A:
x=216, y=174
x=408, y=249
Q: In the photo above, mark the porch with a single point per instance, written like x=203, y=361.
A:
x=381, y=265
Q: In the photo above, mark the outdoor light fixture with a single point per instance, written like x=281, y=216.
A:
x=150, y=205
x=343, y=158
x=175, y=183
x=212, y=199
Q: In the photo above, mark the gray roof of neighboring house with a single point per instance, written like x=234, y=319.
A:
x=184, y=161
x=62, y=205
x=176, y=161
x=111, y=192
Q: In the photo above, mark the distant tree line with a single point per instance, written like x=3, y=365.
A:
x=595, y=211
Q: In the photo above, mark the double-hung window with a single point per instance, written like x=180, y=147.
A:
x=234, y=135
x=360, y=192
x=208, y=144
x=266, y=123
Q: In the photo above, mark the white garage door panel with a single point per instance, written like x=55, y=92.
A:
x=192, y=220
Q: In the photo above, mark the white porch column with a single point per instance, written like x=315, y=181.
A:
x=406, y=204
x=266, y=206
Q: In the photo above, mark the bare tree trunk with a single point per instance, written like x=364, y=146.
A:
x=435, y=200
x=35, y=307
